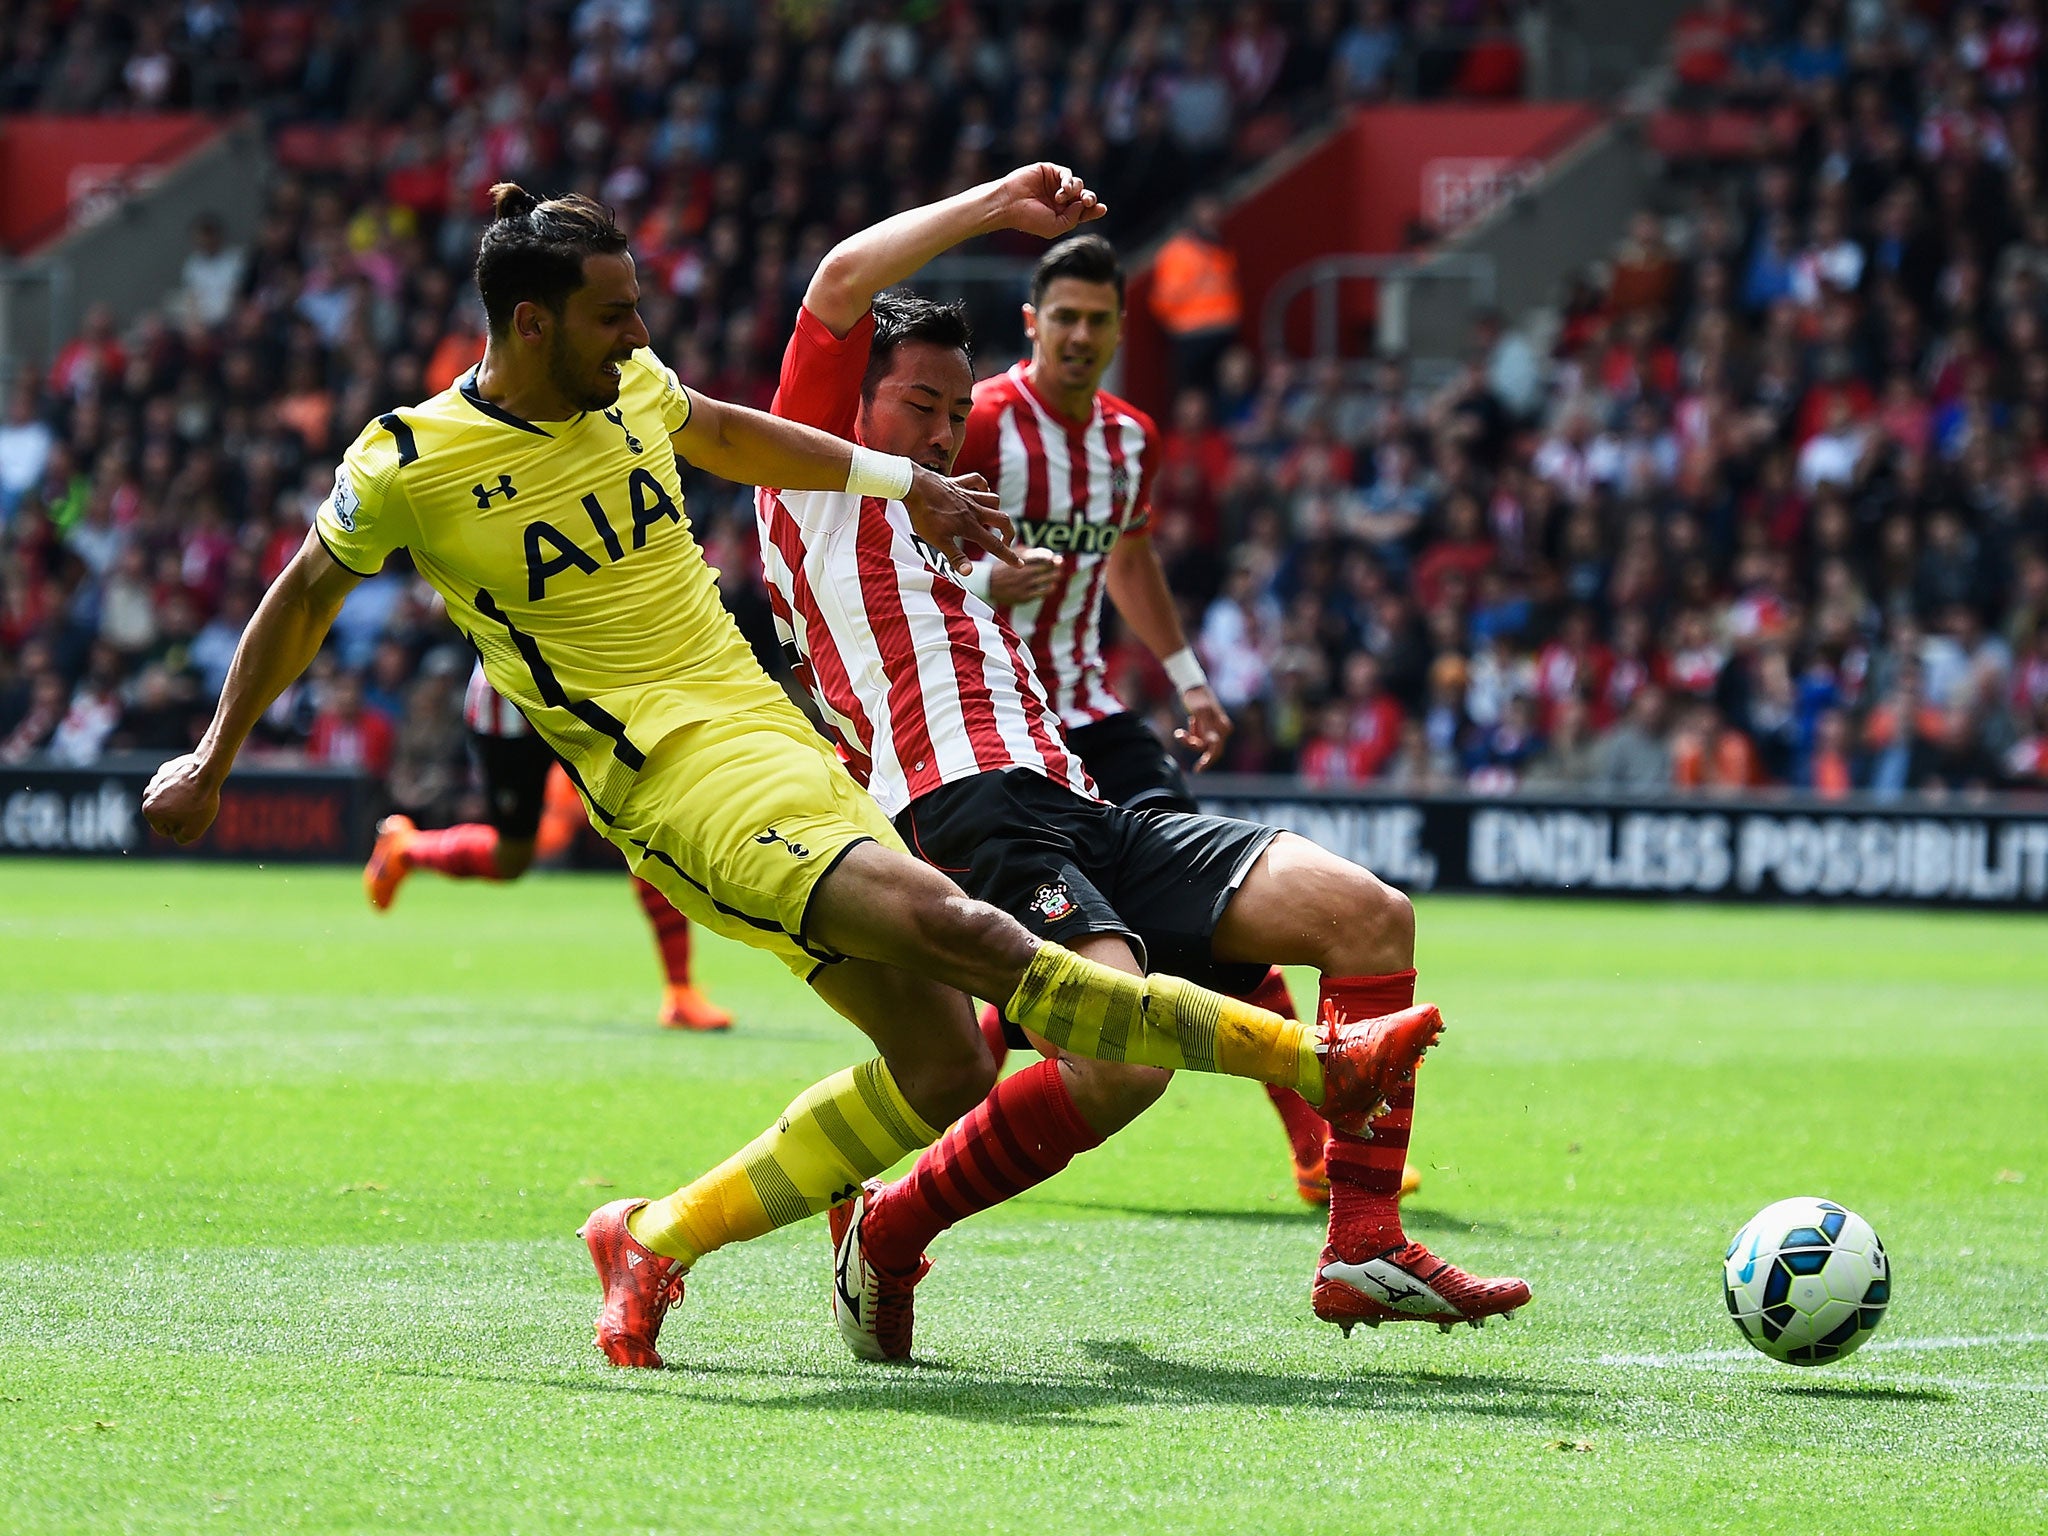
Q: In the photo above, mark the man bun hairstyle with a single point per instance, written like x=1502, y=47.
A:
x=533, y=251
x=901, y=317
x=1088, y=257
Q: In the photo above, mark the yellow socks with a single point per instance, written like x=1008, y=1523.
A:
x=1161, y=1021
x=836, y=1134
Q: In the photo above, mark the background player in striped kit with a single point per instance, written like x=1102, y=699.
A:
x=1074, y=465
x=942, y=714
x=517, y=766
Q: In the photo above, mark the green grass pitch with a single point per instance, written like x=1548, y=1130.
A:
x=287, y=1192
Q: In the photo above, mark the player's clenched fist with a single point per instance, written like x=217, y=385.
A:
x=1048, y=200
x=182, y=798
x=949, y=511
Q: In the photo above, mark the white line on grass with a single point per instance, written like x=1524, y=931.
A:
x=1881, y=1347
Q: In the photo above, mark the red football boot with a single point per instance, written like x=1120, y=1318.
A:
x=1364, y=1059
x=872, y=1307
x=640, y=1286
x=1409, y=1284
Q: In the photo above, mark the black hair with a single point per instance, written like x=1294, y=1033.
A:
x=1090, y=258
x=533, y=251
x=901, y=317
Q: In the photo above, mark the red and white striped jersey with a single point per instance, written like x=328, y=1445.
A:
x=920, y=681
x=1074, y=488
x=488, y=712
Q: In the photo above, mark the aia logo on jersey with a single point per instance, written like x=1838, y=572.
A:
x=617, y=418
x=1051, y=902
x=550, y=551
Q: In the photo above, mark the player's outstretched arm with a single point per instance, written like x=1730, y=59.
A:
x=1137, y=585
x=281, y=641
x=750, y=447
x=1042, y=199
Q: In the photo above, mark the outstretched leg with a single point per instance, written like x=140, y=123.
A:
x=1300, y=896
x=1029, y=1128
x=883, y=905
x=831, y=1139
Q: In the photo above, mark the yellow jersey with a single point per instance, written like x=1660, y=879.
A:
x=563, y=552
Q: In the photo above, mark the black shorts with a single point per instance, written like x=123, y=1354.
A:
x=515, y=782
x=1131, y=766
x=1066, y=867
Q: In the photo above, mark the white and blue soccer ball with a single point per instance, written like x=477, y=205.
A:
x=1807, y=1281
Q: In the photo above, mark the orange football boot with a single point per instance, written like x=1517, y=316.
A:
x=388, y=865
x=684, y=1007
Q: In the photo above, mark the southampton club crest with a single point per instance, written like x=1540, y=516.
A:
x=1051, y=902
x=1120, y=486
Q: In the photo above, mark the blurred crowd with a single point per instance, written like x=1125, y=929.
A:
x=154, y=480
x=1767, y=510
x=1770, y=509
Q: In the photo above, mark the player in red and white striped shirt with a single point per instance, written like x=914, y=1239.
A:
x=941, y=711
x=1078, y=487
x=516, y=767
x=921, y=684
x=1074, y=466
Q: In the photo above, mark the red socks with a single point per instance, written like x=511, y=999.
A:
x=1365, y=1176
x=467, y=852
x=671, y=932
x=1305, y=1128
x=1022, y=1134
x=992, y=1032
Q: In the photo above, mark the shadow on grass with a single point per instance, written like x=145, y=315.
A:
x=1873, y=1392
x=1128, y=1377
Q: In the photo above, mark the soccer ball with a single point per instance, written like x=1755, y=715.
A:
x=1807, y=1281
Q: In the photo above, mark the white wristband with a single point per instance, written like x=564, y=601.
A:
x=977, y=580
x=1184, y=670
x=878, y=474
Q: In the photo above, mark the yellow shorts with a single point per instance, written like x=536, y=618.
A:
x=736, y=819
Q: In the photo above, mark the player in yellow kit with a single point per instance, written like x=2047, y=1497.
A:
x=540, y=497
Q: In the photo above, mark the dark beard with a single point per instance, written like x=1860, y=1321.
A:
x=578, y=390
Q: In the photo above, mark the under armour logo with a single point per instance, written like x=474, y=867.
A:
x=618, y=419
x=483, y=496
x=773, y=836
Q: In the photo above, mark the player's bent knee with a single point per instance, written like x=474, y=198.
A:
x=1395, y=915
x=1370, y=923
